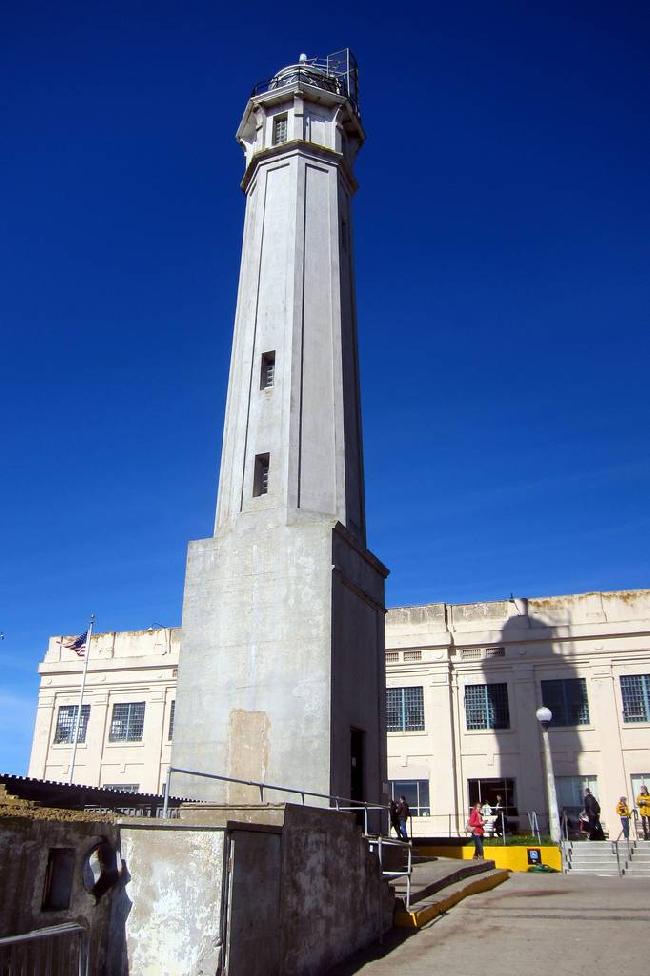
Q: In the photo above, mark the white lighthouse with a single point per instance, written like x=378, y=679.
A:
x=281, y=675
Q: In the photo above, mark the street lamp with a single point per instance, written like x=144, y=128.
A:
x=544, y=716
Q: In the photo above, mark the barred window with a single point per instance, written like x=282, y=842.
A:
x=261, y=474
x=279, y=129
x=127, y=722
x=568, y=701
x=404, y=709
x=486, y=706
x=66, y=721
x=122, y=787
x=170, y=733
x=267, y=375
x=635, y=692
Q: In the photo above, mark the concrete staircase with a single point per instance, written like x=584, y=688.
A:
x=439, y=883
x=597, y=857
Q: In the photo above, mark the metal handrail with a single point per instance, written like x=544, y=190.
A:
x=630, y=851
x=534, y=825
x=565, y=844
x=393, y=842
x=52, y=931
x=356, y=804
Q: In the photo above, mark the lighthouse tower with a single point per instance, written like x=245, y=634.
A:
x=281, y=675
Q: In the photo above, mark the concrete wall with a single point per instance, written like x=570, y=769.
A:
x=25, y=843
x=170, y=908
x=282, y=655
x=334, y=900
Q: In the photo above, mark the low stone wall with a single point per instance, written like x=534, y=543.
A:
x=509, y=858
x=290, y=896
x=27, y=840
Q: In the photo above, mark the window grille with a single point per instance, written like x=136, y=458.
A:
x=568, y=701
x=470, y=653
x=122, y=787
x=261, y=474
x=279, y=129
x=486, y=706
x=495, y=652
x=404, y=709
x=127, y=722
x=412, y=655
x=170, y=733
x=416, y=794
x=392, y=656
x=635, y=692
x=66, y=721
x=267, y=378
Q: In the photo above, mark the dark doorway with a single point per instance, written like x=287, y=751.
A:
x=356, y=764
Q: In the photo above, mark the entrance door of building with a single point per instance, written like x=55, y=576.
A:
x=357, y=737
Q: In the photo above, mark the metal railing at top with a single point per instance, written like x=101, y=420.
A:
x=355, y=806
x=338, y=73
x=45, y=952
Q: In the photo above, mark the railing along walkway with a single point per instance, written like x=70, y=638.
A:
x=48, y=951
x=351, y=806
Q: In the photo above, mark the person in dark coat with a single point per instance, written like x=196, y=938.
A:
x=393, y=813
x=403, y=813
x=592, y=806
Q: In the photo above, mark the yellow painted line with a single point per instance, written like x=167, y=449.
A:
x=416, y=919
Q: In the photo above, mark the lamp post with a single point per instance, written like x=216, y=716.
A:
x=544, y=716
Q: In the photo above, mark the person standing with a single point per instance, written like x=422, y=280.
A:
x=623, y=811
x=499, y=823
x=643, y=806
x=403, y=813
x=394, y=817
x=592, y=806
x=476, y=827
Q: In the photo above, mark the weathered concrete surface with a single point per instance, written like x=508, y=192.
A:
x=25, y=843
x=173, y=899
x=334, y=899
x=564, y=925
x=283, y=655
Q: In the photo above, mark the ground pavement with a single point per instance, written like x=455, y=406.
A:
x=563, y=925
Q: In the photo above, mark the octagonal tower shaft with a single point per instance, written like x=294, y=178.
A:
x=281, y=675
x=293, y=412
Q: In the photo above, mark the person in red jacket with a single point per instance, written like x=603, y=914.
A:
x=476, y=826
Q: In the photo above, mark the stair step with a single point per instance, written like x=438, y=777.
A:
x=440, y=902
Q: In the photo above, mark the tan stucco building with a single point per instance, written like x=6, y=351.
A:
x=463, y=683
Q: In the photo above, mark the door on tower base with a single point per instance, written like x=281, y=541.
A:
x=356, y=768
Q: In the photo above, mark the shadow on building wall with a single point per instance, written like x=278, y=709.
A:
x=524, y=669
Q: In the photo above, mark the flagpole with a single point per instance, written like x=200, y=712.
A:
x=77, y=724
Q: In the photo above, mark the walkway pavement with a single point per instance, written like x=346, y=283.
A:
x=565, y=925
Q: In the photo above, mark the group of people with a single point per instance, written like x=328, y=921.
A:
x=590, y=817
x=643, y=807
x=399, y=815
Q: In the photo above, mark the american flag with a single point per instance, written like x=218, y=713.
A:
x=77, y=644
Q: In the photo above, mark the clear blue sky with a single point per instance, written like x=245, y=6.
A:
x=502, y=275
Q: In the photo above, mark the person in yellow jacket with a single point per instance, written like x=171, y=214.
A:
x=643, y=806
x=623, y=811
